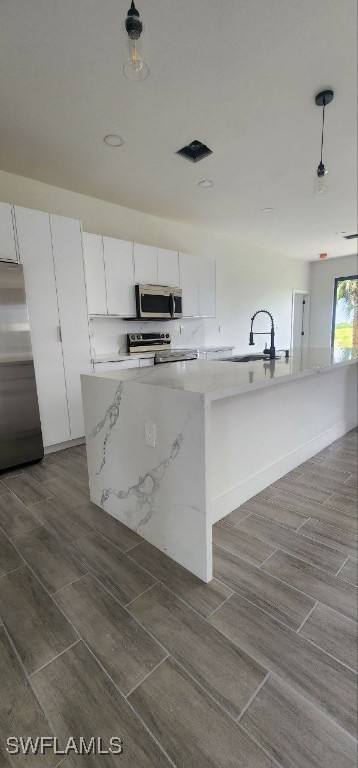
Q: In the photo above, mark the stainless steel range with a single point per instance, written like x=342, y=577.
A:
x=160, y=343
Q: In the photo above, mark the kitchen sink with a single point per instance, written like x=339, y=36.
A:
x=244, y=358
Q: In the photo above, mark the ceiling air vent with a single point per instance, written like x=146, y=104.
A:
x=350, y=237
x=195, y=151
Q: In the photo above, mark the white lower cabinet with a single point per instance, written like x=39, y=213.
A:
x=72, y=305
x=35, y=248
x=50, y=250
x=144, y=361
x=8, y=250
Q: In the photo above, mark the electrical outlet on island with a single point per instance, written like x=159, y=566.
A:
x=150, y=433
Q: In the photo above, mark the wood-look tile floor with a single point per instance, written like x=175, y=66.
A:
x=102, y=635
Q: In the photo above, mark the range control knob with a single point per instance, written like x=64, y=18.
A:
x=138, y=336
x=167, y=335
x=162, y=335
x=132, y=336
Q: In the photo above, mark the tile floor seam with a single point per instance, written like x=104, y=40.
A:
x=267, y=558
x=293, y=689
x=280, y=546
x=146, y=676
x=65, y=586
x=128, y=702
x=286, y=584
x=328, y=545
x=293, y=631
x=249, y=562
x=125, y=605
x=18, y=568
x=302, y=524
x=219, y=606
x=298, y=630
x=253, y=697
x=342, y=663
x=264, y=750
x=163, y=584
x=342, y=566
x=29, y=681
x=24, y=533
x=58, y=655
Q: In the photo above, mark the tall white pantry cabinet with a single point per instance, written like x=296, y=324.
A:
x=50, y=251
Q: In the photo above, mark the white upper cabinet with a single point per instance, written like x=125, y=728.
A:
x=207, y=287
x=198, y=283
x=145, y=264
x=168, y=268
x=72, y=305
x=8, y=250
x=119, y=271
x=189, y=283
x=35, y=249
x=95, y=276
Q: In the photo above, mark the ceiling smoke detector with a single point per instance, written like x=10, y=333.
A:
x=195, y=151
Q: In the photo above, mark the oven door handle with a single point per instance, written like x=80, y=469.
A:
x=172, y=305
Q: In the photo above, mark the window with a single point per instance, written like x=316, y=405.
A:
x=345, y=312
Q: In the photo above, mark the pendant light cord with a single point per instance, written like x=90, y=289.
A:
x=324, y=104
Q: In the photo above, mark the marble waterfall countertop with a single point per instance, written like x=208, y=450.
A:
x=218, y=379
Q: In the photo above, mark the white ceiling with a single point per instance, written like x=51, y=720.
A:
x=239, y=75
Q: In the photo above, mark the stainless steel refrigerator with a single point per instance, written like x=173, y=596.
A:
x=20, y=427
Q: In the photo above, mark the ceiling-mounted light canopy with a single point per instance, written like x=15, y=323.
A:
x=135, y=68
x=320, y=183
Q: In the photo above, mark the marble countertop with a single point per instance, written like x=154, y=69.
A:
x=114, y=357
x=217, y=379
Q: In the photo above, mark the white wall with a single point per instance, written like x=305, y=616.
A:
x=322, y=277
x=247, y=278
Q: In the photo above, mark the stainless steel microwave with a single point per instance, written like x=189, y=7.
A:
x=159, y=302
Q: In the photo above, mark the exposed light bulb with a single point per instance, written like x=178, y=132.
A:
x=135, y=68
x=320, y=181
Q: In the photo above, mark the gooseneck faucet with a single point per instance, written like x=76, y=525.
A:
x=271, y=351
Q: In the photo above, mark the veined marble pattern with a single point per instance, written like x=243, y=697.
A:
x=159, y=491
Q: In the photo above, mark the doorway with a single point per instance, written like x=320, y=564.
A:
x=300, y=319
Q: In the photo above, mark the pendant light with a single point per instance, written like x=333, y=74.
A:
x=320, y=182
x=135, y=68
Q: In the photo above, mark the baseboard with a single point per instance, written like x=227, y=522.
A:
x=229, y=501
x=61, y=446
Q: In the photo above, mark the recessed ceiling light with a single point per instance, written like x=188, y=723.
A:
x=266, y=210
x=206, y=183
x=112, y=140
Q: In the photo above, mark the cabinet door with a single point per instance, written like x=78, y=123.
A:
x=189, y=282
x=168, y=268
x=145, y=361
x=7, y=234
x=95, y=275
x=35, y=249
x=72, y=304
x=207, y=287
x=118, y=262
x=145, y=264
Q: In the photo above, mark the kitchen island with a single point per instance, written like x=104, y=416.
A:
x=173, y=449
